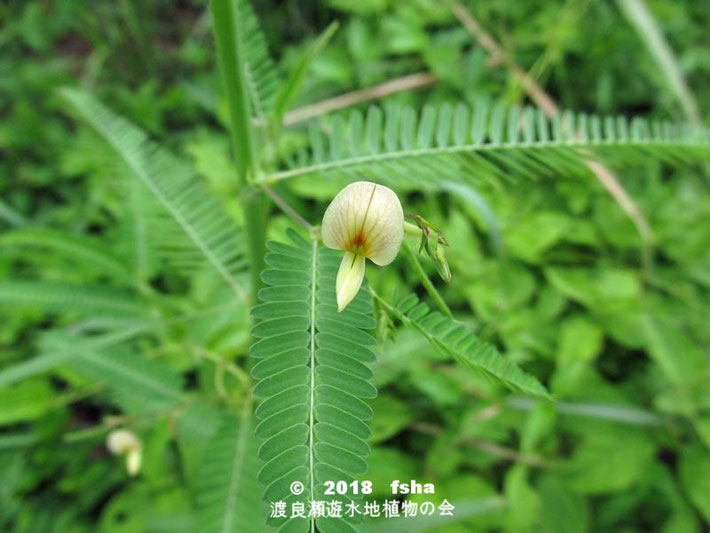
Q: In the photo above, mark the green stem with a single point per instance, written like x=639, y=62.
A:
x=225, y=18
x=255, y=205
x=226, y=21
x=227, y=365
x=428, y=285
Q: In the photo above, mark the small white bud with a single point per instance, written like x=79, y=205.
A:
x=134, y=458
x=125, y=442
x=366, y=221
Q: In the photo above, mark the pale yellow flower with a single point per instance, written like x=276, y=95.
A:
x=125, y=442
x=366, y=221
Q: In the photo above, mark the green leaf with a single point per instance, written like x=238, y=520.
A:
x=9, y=215
x=201, y=218
x=387, y=464
x=676, y=355
x=364, y=8
x=26, y=401
x=468, y=195
x=695, y=477
x=32, y=367
x=142, y=234
x=90, y=300
x=641, y=18
x=534, y=234
x=16, y=440
x=493, y=153
x=702, y=427
x=563, y=510
x=455, y=340
x=262, y=80
x=138, y=384
x=312, y=374
x=226, y=499
x=50, y=359
x=75, y=247
x=599, y=288
x=580, y=341
x=611, y=460
x=290, y=89
x=523, y=501
x=463, y=510
x=392, y=417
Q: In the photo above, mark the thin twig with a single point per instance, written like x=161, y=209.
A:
x=221, y=362
x=290, y=211
x=537, y=94
x=489, y=447
x=507, y=453
x=611, y=184
x=643, y=21
x=110, y=422
x=548, y=105
x=405, y=83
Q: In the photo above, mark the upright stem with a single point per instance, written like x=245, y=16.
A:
x=225, y=19
x=255, y=206
x=227, y=28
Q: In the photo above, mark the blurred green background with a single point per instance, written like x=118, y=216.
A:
x=551, y=271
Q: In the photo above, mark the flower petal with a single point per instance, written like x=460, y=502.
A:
x=122, y=441
x=350, y=276
x=345, y=215
x=133, y=462
x=366, y=219
x=384, y=227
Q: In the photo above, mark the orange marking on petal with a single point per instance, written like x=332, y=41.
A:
x=359, y=239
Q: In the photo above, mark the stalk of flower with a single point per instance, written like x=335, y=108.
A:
x=366, y=221
x=432, y=241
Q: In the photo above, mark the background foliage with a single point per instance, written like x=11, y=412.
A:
x=110, y=318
